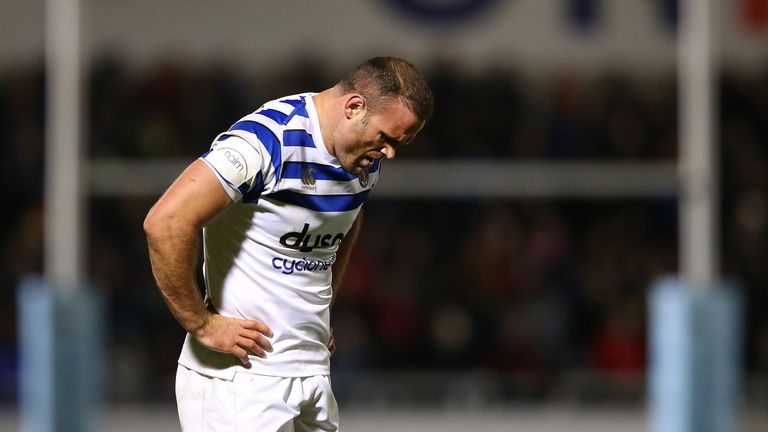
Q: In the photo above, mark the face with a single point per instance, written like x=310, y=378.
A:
x=363, y=137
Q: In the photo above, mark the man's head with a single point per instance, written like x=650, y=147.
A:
x=386, y=79
x=386, y=101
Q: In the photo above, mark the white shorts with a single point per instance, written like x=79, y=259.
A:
x=258, y=403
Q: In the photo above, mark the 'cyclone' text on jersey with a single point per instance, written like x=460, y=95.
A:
x=269, y=257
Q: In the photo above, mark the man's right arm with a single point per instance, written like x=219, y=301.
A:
x=173, y=234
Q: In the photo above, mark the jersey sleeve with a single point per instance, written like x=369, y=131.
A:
x=236, y=163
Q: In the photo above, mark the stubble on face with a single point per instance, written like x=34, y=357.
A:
x=347, y=142
x=359, y=141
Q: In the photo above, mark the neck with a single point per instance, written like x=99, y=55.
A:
x=327, y=116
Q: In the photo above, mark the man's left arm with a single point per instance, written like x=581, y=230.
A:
x=340, y=266
x=342, y=255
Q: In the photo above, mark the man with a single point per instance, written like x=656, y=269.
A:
x=278, y=199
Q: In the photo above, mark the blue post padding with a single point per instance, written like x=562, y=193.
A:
x=718, y=330
x=671, y=375
x=36, y=359
x=695, y=359
x=62, y=358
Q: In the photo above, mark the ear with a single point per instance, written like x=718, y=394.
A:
x=354, y=104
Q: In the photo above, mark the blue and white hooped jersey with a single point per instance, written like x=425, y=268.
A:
x=269, y=257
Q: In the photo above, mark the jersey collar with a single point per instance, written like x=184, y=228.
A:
x=317, y=134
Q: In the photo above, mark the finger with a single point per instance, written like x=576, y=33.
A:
x=258, y=326
x=242, y=355
x=258, y=338
x=252, y=347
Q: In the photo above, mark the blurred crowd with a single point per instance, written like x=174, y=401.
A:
x=531, y=288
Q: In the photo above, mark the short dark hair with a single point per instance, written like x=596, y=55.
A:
x=388, y=78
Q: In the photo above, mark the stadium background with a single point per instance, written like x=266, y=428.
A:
x=450, y=302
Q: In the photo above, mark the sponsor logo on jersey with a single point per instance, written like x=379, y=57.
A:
x=363, y=178
x=306, y=242
x=236, y=159
x=289, y=266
